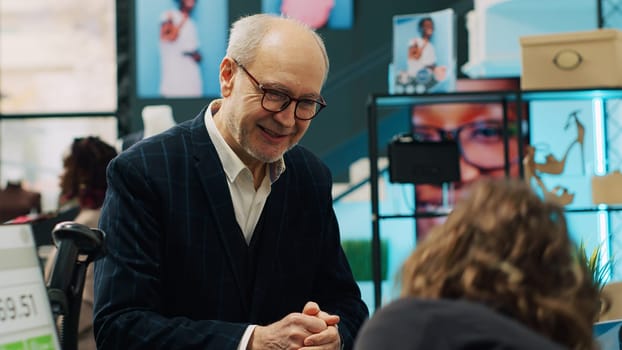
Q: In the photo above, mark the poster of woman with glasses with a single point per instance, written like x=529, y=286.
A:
x=478, y=130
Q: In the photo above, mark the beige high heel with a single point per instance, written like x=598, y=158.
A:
x=558, y=194
x=580, y=135
x=554, y=166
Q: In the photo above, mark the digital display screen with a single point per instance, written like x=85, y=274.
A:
x=25, y=316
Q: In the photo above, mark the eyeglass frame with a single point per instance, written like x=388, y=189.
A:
x=454, y=134
x=265, y=90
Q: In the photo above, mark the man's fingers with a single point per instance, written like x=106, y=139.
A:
x=312, y=324
x=311, y=308
x=331, y=320
x=328, y=336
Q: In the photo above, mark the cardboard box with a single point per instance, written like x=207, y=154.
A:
x=607, y=189
x=495, y=26
x=573, y=60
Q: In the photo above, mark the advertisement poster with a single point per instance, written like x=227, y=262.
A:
x=478, y=128
x=331, y=14
x=179, y=46
x=424, y=58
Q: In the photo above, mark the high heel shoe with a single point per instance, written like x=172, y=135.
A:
x=574, y=116
x=558, y=194
x=554, y=166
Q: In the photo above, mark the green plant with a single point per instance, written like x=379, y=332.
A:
x=600, y=272
x=358, y=252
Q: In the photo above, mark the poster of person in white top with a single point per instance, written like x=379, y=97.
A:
x=424, y=57
x=179, y=45
x=421, y=53
x=179, y=53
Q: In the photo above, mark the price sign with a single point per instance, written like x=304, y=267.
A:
x=25, y=317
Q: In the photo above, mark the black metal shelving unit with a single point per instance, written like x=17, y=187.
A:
x=376, y=102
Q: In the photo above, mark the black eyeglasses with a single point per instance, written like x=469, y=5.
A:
x=276, y=101
x=480, y=143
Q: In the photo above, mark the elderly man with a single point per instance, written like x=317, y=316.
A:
x=221, y=231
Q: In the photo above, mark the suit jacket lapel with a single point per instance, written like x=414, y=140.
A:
x=214, y=183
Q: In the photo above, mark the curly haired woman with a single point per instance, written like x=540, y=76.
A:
x=84, y=180
x=499, y=273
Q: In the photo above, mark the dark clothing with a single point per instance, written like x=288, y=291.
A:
x=179, y=273
x=130, y=139
x=414, y=324
x=16, y=201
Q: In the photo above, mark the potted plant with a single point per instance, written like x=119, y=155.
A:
x=600, y=272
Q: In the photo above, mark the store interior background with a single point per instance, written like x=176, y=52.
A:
x=32, y=142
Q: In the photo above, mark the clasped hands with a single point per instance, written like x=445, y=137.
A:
x=313, y=329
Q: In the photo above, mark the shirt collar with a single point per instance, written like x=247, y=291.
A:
x=231, y=163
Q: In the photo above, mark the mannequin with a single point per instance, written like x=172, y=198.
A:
x=156, y=119
x=16, y=201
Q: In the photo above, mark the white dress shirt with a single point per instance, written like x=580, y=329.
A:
x=247, y=202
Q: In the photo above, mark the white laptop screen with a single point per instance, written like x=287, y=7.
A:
x=26, y=320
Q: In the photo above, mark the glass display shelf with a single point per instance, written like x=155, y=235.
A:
x=397, y=100
x=427, y=214
x=571, y=94
x=441, y=213
x=596, y=208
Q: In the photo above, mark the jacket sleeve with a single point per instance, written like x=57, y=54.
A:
x=129, y=302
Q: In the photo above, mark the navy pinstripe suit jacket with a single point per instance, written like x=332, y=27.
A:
x=179, y=273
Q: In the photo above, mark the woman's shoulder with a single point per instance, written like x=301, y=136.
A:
x=413, y=323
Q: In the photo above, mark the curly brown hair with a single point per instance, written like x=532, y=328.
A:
x=504, y=247
x=84, y=172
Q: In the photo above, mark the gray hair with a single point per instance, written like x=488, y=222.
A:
x=247, y=33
